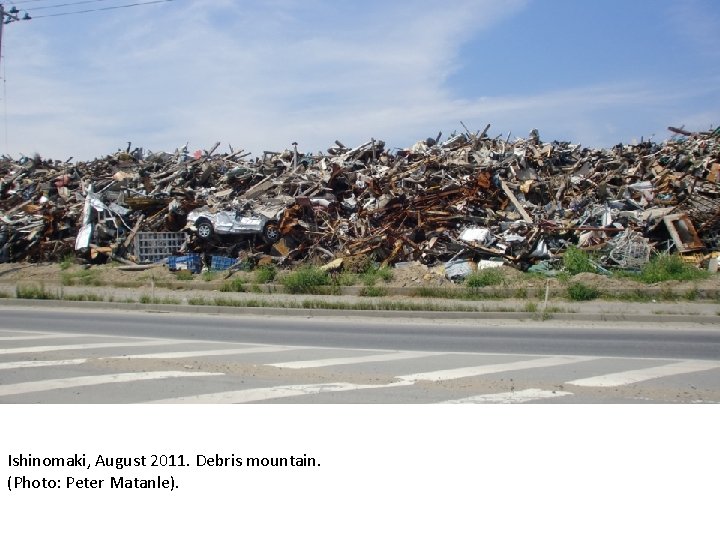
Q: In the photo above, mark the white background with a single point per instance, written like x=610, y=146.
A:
x=385, y=471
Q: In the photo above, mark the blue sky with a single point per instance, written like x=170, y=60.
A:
x=261, y=75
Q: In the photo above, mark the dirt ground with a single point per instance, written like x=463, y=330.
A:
x=413, y=275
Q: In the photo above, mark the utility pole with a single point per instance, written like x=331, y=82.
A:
x=7, y=17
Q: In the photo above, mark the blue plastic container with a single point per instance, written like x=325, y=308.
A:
x=191, y=262
x=221, y=263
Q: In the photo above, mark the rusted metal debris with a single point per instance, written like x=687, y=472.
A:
x=468, y=198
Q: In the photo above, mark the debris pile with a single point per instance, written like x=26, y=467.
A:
x=468, y=199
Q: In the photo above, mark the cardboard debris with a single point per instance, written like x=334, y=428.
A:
x=471, y=196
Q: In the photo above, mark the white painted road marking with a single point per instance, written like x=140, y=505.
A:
x=33, y=337
x=42, y=363
x=211, y=352
x=474, y=371
x=75, y=382
x=274, y=392
x=521, y=396
x=397, y=355
x=640, y=375
x=83, y=346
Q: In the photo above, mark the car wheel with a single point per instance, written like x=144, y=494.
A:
x=271, y=233
x=204, y=229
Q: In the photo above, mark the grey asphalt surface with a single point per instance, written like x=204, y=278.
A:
x=270, y=359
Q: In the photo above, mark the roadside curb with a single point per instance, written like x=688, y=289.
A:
x=537, y=316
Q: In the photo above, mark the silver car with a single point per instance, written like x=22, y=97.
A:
x=232, y=223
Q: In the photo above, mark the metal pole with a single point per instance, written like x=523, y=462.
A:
x=2, y=24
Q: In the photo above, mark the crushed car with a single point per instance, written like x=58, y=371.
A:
x=206, y=223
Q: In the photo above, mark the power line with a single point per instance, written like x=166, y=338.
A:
x=27, y=2
x=20, y=2
x=67, y=4
x=102, y=9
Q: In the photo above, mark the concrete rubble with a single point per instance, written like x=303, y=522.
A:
x=461, y=202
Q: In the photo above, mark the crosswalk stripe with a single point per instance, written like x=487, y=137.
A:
x=398, y=355
x=640, y=375
x=38, y=336
x=75, y=382
x=211, y=352
x=83, y=346
x=274, y=392
x=42, y=363
x=474, y=371
x=32, y=332
x=521, y=396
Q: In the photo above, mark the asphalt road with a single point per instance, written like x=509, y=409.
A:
x=80, y=356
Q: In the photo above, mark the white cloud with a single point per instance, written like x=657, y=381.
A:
x=259, y=75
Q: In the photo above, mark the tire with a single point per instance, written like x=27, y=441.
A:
x=204, y=229
x=271, y=233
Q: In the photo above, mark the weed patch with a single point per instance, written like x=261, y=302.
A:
x=636, y=295
x=669, y=267
x=581, y=292
x=236, y=285
x=373, y=290
x=82, y=297
x=345, y=279
x=86, y=276
x=33, y=292
x=520, y=293
x=67, y=261
x=576, y=261
x=306, y=280
x=485, y=278
x=184, y=275
x=147, y=299
x=210, y=276
x=265, y=274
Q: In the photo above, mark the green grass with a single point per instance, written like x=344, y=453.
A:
x=184, y=275
x=436, y=292
x=67, y=261
x=520, y=293
x=691, y=295
x=147, y=299
x=383, y=305
x=385, y=273
x=210, y=276
x=345, y=279
x=531, y=307
x=668, y=295
x=669, y=268
x=236, y=285
x=5, y=294
x=34, y=292
x=87, y=276
x=469, y=293
x=306, y=280
x=636, y=295
x=488, y=277
x=373, y=290
x=581, y=292
x=265, y=274
x=576, y=261
x=89, y=297
x=369, y=280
